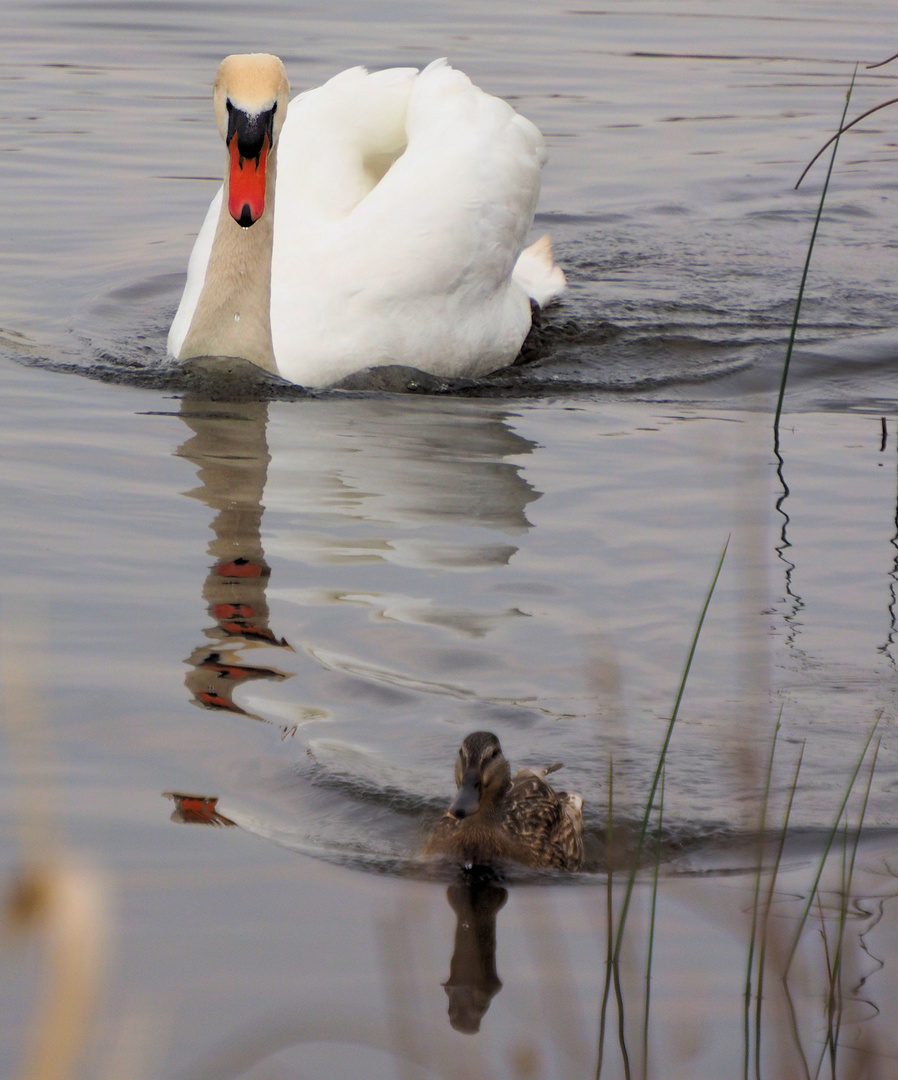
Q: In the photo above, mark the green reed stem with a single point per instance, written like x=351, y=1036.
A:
x=651, y=945
x=828, y=846
x=621, y=1022
x=834, y=1003
x=828, y=1044
x=793, y=1024
x=768, y=904
x=609, y=904
x=807, y=266
x=749, y=968
x=650, y=801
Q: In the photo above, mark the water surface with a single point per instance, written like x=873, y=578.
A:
x=298, y=608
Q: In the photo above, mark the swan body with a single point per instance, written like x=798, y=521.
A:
x=378, y=220
x=496, y=816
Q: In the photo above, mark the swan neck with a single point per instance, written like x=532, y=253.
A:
x=233, y=313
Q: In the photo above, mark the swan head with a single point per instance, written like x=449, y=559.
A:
x=250, y=95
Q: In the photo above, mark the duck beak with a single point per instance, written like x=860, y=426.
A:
x=249, y=143
x=467, y=801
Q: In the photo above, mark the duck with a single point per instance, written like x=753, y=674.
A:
x=376, y=220
x=495, y=817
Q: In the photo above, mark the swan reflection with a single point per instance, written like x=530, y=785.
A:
x=349, y=482
x=196, y=809
x=358, y=496
x=230, y=449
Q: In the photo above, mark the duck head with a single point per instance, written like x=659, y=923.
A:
x=482, y=774
x=250, y=95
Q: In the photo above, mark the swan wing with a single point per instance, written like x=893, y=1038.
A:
x=196, y=276
x=417, y=267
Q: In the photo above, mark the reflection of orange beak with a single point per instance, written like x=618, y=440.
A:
x=246, y=185
x=243, y=568
x=196, y=809
x=217, y=701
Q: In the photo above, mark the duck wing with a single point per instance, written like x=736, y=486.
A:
x=548, y=824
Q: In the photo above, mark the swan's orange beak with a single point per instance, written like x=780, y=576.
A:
x=249, y=139
x=246, y=187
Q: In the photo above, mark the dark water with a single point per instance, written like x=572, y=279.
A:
x=528, y=554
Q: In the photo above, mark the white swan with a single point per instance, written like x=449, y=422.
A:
x=388, y=212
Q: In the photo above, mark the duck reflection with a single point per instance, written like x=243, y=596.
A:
x=476, y=898
x=473, y=980
x=229, y=446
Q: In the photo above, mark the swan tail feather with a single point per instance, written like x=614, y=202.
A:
x=538, y=274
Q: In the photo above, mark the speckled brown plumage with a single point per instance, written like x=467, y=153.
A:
x=494, y=817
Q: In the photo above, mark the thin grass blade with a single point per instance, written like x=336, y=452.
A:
x=609, y=902
x=807, y=266
x=650, y=801
x=650, y=951
x=749, y=967
x=762, y=952
x=829, y=842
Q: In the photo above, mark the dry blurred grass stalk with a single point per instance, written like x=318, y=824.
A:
x=66, y=905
